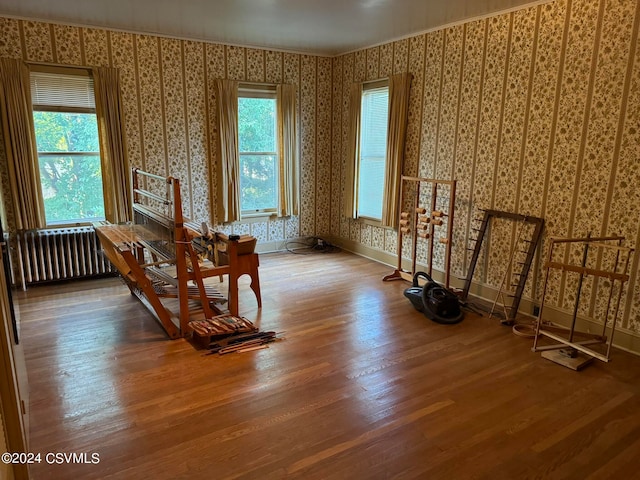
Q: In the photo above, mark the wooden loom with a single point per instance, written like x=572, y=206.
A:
x=423, y=221
x=156, y=258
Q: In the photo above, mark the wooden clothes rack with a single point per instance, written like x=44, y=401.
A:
x=529, y=252
x=612, y=263
x=157, y=260
x=421, y=222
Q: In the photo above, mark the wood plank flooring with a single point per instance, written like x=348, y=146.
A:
x=361, y=387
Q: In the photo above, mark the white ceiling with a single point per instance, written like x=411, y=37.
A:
x=325, y=27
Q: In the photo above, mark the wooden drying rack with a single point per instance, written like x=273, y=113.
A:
x=420, y=222
x=157, y=260
x=617, y=271
x=532, y=244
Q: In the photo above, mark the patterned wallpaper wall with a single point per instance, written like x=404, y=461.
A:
x=170, y=108
x=536, y=112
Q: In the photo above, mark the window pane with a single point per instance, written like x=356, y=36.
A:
x=257, y=124
x=71, y=184
x=66, y=132
x=258, y=189
x=72, y=188
x=373, y=152
x=257, y=135
x=370, y=187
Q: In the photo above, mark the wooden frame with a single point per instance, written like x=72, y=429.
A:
x=617, y=272
x=418, y=218
x=526, y=265
x=156, y=258
x=13, y=383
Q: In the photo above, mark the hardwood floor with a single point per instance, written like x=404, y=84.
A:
x=362, y=386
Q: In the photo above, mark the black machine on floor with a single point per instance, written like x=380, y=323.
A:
x=435, y=301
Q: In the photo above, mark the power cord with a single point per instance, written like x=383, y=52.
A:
x=308, y=245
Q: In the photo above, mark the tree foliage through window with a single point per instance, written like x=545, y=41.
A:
x=258, y=157
x=70, y=171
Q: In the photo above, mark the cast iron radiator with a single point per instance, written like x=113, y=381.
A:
x=57, y=254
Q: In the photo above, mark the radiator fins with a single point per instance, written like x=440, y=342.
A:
x=57, y=254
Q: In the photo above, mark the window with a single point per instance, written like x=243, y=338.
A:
x=257, y=144
x=373, y=152
x=66, y=132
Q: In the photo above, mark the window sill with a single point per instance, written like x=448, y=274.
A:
x=369, y=221
x=88, y=223
x=257, y=217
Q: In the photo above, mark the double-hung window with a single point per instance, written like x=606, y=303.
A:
x=371, y=163
x=66, y=131
x=258, y=150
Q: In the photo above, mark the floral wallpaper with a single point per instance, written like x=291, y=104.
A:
x=170, y=108
x=535, y=111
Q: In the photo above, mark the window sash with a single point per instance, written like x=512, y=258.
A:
x=373, y=148
x=68, y=93
x=69, y=154
x=249, y=202
x=73, y=207
x=268, y=186
x=370, y=187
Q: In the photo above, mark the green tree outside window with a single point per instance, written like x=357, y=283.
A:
x=70, y=171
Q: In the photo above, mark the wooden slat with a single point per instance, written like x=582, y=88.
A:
x=587, y=271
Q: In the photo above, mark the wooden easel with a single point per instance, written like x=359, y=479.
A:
x=156, y=258
x=422, y=223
